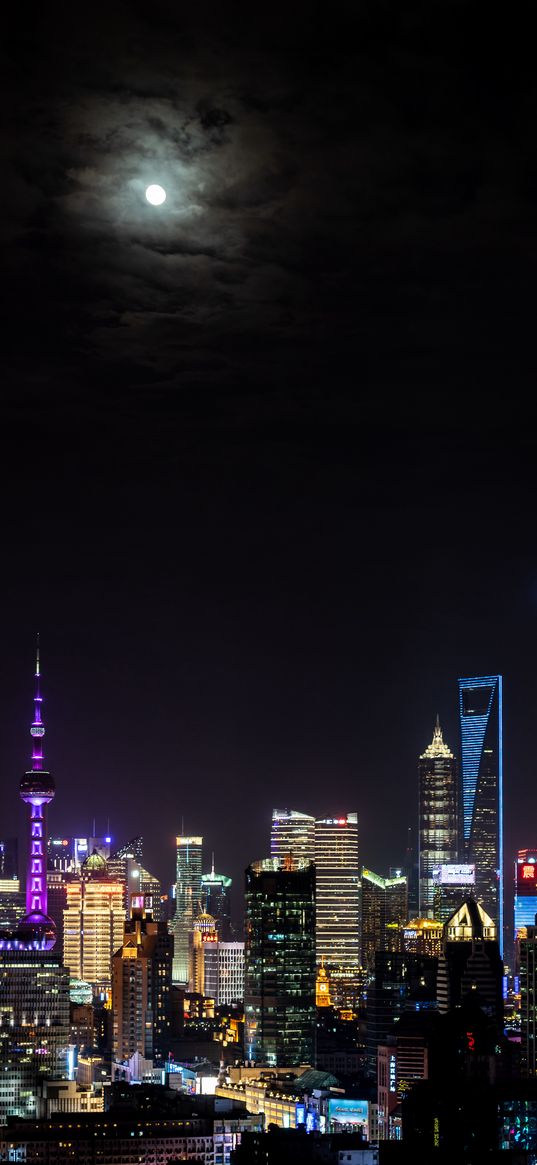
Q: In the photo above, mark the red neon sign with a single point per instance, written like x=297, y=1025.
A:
x=528, y=872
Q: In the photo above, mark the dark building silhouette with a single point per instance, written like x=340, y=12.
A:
x=528, y=1002
x=279, y=989
x=141, y=990
x=384, y=911
x=9, y=857
x=471, y=962
x=402, y=981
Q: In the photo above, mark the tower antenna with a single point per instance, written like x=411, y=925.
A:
x=37, y=789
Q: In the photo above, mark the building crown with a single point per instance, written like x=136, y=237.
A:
x=437, y=747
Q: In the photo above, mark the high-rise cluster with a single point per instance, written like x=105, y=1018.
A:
x=345, y=974
x=461, y=807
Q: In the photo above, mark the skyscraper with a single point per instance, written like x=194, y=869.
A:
x=279, y=987
x=141, y=989
x=292, y=833
x=528, y=1001
x=34, y=1026
x=125, y=865
x=12, y=904
x=187, y=899
x=481, y=798
x=203, y=935
x=470, y=962
x=337, y=880
x=216, y=897
x=9, y=858
x=93, y=922
x=451, y=883
x=224, y=972
x=525, y=889
x=384, y=911
x=438, y=821
x=402, y=981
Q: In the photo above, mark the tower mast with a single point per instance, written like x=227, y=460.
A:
x=37, y=789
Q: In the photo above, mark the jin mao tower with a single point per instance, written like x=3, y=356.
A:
x=437, y=816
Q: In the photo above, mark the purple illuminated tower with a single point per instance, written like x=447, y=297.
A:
x=37, y=789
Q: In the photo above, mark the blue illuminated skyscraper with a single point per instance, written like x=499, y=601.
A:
x=481, y=775
x=525, y=904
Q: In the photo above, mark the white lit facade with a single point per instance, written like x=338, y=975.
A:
x=187, y=898
x=337, y=883
x=93, y=928
x=224, y=972
x=292, y=833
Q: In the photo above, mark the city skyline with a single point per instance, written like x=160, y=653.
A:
x=295, y=832
x=268, y=483
x=263, y=441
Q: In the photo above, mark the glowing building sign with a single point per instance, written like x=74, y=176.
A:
x=455, y=874
x=348, y=1112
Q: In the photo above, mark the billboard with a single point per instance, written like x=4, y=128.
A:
x=348, y=1112
x=454, y=875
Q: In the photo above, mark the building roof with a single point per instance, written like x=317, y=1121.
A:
x=312, y=1078
x=469, y=921
x=95, y=861
x=437, y=747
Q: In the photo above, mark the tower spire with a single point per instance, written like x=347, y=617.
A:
x=37, y=790
x=438, y=746
x=37, y=730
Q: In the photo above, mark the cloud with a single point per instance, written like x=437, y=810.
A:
x=335, y=186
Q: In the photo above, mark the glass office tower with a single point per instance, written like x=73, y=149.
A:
x=292, y=833
x=525, y=900
x=338, y=891
x=216, y=900
x=525, y=889
x=34, y=1027
x=481, y=796
x=438, y=839
x=187, y=903
x=384, y=912
x=528, y=1002
x=279, y=987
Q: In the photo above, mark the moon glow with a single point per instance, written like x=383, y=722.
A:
x=156, y=195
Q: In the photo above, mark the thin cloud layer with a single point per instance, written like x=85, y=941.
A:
x=331, y=197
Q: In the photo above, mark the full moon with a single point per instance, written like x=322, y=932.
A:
x=156, y=195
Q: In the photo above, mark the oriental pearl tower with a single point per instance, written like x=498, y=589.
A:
x=37, y=788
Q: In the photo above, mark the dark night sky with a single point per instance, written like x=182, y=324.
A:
x=267, y=452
